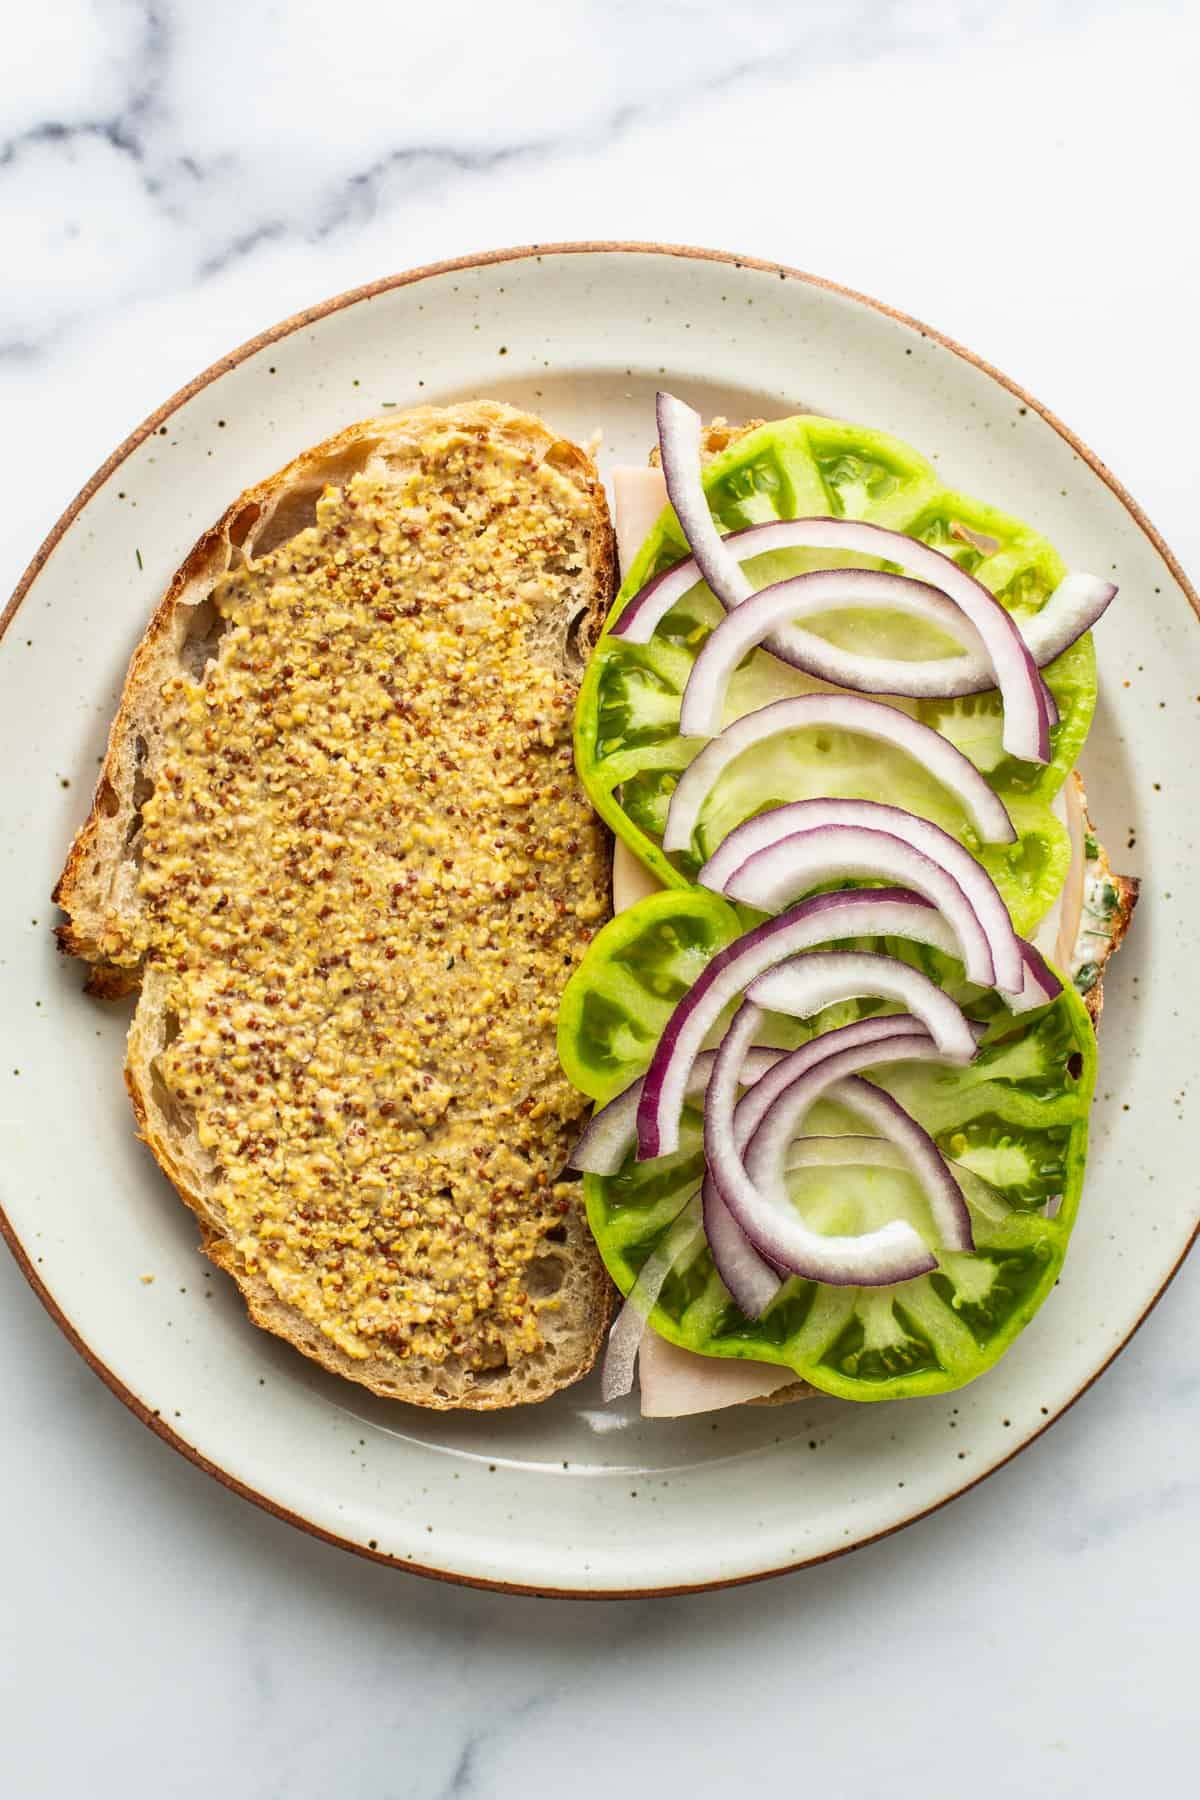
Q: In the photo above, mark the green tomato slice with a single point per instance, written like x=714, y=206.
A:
x=1014, y=1122
x=628, y=747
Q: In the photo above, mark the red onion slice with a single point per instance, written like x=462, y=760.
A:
x=611, y=1133
x=757, y=1197
x=1076, y=604
x=874, y=912
x=931, y=1169
x=1041, y=984
x=898, y=1038
x=606, y=1139
x=757, y=1098
x=805, y=984
x=751, y=1279
x=740, y=1120
x=1074, y=607
x=838, y=712
x=769, y=618
x=776, y=878
x=920, y=1152
x=680, y=429
x=629, y=1327
x=1014, y=671
x=767, y=829
x=883, y=591
x=755, y=1192
x=644, y=613
x=651, y=604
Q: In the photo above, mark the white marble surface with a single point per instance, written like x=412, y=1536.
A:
x=174, y=177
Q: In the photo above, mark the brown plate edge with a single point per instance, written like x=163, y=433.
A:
x=138, y=436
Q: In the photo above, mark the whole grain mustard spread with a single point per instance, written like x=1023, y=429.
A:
x=370, y=868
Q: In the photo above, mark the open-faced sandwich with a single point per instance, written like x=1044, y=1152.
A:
x=844, y=1060
x=840, y=1034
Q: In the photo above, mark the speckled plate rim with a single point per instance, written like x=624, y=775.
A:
x=285, y=328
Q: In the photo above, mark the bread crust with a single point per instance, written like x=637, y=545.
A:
x=98, y=892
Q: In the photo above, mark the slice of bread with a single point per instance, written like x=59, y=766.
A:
x=339, y=848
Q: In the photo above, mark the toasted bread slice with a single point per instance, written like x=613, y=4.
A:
x=338, y=847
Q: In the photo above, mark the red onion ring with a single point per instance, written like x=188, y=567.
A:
x=873, y=912
x=1027, y=710
x=769, y=617
x=804, y=985
x=755, y=1193
x=839, y=712
x=629, y=1327
x=756, y=1197
x=611, y=1132
x=680, y=429
x=1041, y=984
x=1076, y=604
x=776, y=878
x=750, y=1278
x=747, y=841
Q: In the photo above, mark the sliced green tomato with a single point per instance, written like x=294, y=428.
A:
x=637, y=968
x=628, y=747
x=1014, y=1122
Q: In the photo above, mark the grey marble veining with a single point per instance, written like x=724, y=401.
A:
x=174, y=177
x=147, y=147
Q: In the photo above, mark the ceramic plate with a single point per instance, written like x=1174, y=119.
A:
x=570, y=1496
